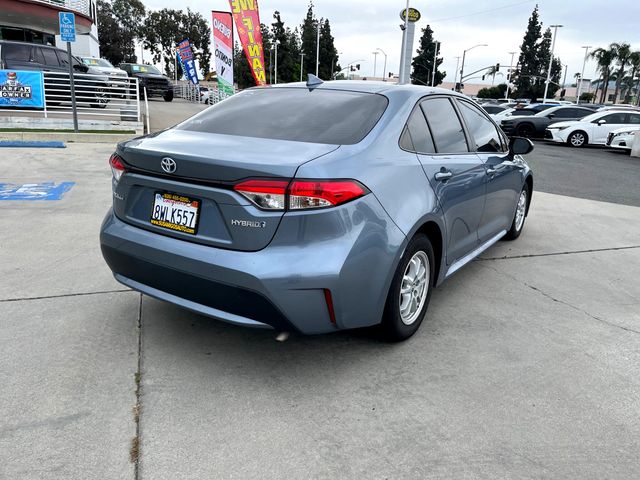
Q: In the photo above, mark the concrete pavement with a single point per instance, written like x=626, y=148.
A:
x=526, y=366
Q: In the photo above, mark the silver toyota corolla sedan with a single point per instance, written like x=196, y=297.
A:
x=315, y=207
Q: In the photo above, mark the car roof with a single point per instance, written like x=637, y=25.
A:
x=29, y=43
x=367, y=86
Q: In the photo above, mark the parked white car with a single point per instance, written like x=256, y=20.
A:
x=592, y=129
x=622, y=138
x=103, y=66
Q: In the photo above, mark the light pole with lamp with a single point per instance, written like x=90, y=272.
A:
x=384, y=69
x=435, y=59
x=375, y=59
x=275, y=45
x=455, y=76
x=564, y=80
x=584, y=62
x=553, y=44
x=464, y=53
x=506, y=95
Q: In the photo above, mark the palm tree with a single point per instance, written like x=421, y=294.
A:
x=634, y=61
x=604, y=58
x=622, y=51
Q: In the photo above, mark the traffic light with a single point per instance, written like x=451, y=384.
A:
x=390, y=74
x=357, y=66
x=497, y=67
x=482, y=77
x=352, y=68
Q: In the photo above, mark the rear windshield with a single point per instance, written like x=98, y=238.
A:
x=296, y=114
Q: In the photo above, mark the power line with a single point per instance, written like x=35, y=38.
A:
x=482, y=11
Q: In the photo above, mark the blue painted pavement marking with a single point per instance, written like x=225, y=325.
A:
x=34, y=191
x=32, y=143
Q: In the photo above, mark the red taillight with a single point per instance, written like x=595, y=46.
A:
x=322, y=193
x=117, y=166
x=268, y=194
x=329, y=300
x=300, y=194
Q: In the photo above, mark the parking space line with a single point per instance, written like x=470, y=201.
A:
x=79, y=294
x=595, y=250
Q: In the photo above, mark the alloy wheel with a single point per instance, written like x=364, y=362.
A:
x=414, y=287
x=521, y=210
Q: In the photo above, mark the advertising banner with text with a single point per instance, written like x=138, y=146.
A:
x=223, y=50
x=247, y=20
x=20, y=89
x=185, y=55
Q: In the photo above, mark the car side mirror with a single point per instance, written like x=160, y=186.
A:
x=601, y=122
x=520, y=146
x=551, y=115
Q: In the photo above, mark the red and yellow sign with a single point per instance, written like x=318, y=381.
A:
x=247, y=20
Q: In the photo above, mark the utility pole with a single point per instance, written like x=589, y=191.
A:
x=403, y=62
x=455, y=77
x=301, y=64
x=584, y=62
x=375, y=59
x=463, y=57
x=276, y=72
x=506, y=96
x=384, y=69
x=318, y=49
x=553, y=46
x=435, y=59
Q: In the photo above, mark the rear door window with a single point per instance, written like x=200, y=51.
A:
x=448, y=134
x=484, y=132
x=416, y=136
x=296, y=114
x=16, y=52
x=50, y=57
x=634, y=118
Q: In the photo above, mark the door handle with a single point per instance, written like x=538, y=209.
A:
x=491, y=171
x=444, y=175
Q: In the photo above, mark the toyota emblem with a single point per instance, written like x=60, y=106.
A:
x=168, y=164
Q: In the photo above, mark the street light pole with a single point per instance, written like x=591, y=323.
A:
x=375, y=60
x=276, y=72
x=403, y=62
x=435, y=58
x=301, y=64
x=506, y=96
x=553, y=45
x=318, y=50
x=455, y=77
x=384, y=69
x=463, y=58
x=584, y=62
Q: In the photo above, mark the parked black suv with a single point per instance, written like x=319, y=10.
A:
x=151, y=79
x=535, y=126
x=91, y=88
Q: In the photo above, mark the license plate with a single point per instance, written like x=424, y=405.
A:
x=175, y=212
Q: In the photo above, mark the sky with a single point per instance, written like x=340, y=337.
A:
x=361, y=26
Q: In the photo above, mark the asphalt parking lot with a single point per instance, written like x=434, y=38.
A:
x=526, y=367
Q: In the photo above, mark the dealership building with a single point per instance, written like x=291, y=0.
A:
x=36, y=21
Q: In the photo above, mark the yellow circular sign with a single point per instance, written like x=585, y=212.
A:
x=414, y=15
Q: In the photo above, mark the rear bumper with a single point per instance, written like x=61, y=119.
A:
x=282, y=286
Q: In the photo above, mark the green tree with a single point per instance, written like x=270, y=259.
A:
x=493, y=92
x=163, y=29
x=308, y=40
x=328, y=53
x=604, y=58
x=130, y=16
x=622, y=54
x=533, y=62
x=287, y=64
x=242, y=75
x=630, y=80
x=422, y=63
x=112, y=43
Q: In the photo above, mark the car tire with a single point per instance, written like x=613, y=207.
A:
x=577, y=139
x=410, y=291
x=525, y=130
x=520, y=215
x=168, y=96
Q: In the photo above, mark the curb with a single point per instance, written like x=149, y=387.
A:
x=67, y=137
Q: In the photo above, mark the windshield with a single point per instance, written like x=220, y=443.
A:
x=145, y=69
x=97, y=62
x=333, y=117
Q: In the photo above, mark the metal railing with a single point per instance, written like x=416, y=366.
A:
x=80, y=6
x=207, y=93
x=104, y=102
